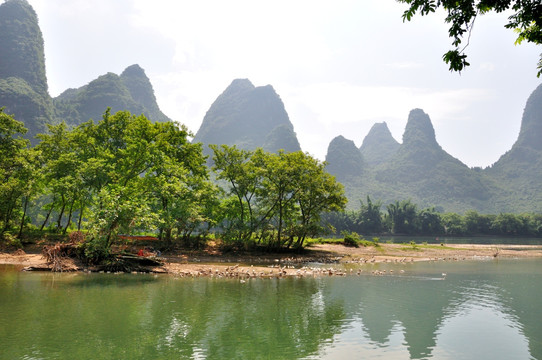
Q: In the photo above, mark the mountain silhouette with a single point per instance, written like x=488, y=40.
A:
x=379, y=145
x=248, y=117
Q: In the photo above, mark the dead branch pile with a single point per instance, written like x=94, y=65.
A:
x=55, y=255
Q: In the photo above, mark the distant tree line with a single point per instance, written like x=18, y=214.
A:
x=127, y=175
x=404, y=218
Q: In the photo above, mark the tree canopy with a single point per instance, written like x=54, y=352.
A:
x=276, y=199
x=526, y=21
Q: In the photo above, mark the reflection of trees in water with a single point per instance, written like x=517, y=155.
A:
x=260, y=319
x=144, y=317
x=422, y=305
x=169, y=318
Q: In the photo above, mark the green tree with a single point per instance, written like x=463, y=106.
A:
x=478, y=224
x=15, y=168
x=369, y=220
x=514, y=224
x=275, y=199
x=430, y=222
x=316, y=192
x=277, y=192
x=119, y=158
x=181, y=192
x=402, y=217
x=60, y=171
x=237, y=168
x=526, y=21
x=453, y=224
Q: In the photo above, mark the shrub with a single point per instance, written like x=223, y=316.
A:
x=11, y=241
x=350, y=238
x=94, y=251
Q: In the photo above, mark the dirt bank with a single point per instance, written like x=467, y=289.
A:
x=213, y=263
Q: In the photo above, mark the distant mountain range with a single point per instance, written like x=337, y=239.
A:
x=250, y=117
x=420, y=170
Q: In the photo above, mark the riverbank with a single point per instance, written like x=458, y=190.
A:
x=213, y=263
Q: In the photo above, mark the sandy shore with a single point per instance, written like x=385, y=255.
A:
x=213, y=264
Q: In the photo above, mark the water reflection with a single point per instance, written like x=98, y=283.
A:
x=169, y=318
x=478, y=310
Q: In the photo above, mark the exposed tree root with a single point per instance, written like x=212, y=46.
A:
x=57, y=255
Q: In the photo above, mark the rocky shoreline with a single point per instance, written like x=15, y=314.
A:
x=315, y=261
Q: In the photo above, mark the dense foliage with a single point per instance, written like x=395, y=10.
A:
x=526, y=21
x=127, y=175
x=276, y=199
x=404, y=218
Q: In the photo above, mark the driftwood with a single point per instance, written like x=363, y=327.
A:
x=57, y=256
x=37, y=268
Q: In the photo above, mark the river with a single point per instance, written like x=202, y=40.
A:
x=485, y=309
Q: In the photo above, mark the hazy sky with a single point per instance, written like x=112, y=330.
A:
x=339, y=66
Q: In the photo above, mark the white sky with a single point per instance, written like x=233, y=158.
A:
x=338, y=66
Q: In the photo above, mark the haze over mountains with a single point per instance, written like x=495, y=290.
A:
x=248, y=117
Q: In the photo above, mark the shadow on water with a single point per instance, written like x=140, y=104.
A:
x=108, y=280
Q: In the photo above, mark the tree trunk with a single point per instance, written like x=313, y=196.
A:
x=46, y=219
x=25, y=206
x=59, y=220
x=80, y=217
x=69, y=216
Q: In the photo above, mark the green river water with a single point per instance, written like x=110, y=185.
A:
x=486, y=309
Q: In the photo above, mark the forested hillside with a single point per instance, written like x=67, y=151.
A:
x=344, y=160
x=131, y=91
x=379, y=145
x=23, y=83
x=519, y=171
